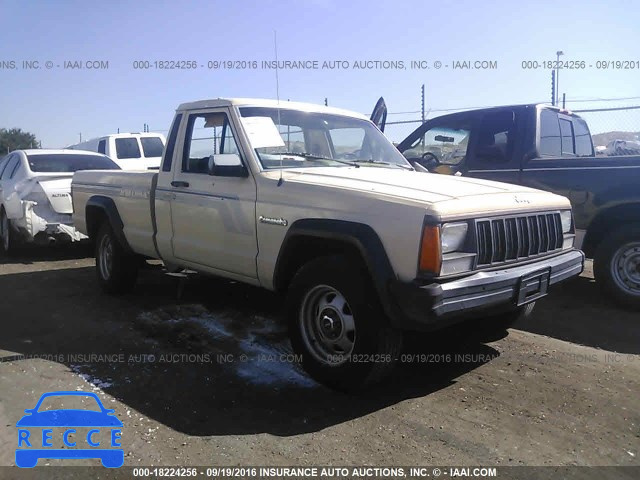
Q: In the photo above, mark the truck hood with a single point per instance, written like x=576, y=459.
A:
x=443, y=195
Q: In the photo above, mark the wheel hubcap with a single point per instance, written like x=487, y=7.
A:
x=327, y=325
x=625, y=268
x=105, y=257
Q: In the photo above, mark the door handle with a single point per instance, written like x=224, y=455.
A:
x=179, y=184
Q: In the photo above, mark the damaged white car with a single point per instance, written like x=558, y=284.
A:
x=35, y=194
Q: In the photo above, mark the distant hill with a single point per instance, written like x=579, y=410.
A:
x=606, y=137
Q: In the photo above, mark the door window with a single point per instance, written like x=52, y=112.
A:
x=207, y=134
x=102, y=146
x=550, y=139
x=447, y=143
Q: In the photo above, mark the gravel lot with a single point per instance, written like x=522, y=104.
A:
x=551, y=392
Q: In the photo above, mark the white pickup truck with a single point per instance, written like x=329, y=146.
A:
x=316, y=203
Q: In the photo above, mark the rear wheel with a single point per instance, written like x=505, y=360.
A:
x=616, y=265
x=117, y=269
x=7, y=237
x=337, y=325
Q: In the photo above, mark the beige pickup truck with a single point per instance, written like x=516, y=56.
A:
x=316, y=203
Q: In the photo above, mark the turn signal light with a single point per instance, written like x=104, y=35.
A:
x=430, y=254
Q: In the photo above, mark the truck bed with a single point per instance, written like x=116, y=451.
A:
x=131, y=192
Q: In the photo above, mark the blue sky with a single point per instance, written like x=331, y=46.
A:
x=58, y=104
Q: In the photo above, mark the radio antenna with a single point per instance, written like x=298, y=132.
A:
x=275, y=47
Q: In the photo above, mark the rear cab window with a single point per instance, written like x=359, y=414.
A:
x=584, y=144
x=152, y=146
x=49, y=162
x=563, y=135
x=127, y=148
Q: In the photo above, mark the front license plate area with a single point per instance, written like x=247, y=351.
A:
x=533, y=286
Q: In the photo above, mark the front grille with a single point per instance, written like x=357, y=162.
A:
x=501, y=240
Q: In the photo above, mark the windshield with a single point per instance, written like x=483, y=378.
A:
x=293, y=139
x=69, y=163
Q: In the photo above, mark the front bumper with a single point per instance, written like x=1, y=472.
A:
x=436, y=305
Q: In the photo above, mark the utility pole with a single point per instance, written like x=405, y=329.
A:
x=553, y=87
x=80, y=137
x=558, y=53
x=564, y=100
x=422, y=108
x=422, y=95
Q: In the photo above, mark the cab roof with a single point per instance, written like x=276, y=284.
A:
x=58, y=151
x=511, y=107
x=259, y=102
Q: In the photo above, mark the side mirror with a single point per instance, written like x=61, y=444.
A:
x=226, y=165
x=416, y=164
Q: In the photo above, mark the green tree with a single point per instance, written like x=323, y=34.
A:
x=15, y=139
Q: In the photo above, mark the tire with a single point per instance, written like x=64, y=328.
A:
x=337, y=325
x=7, y=237
x=503, y=321
x=117, y=270
x=616, y=265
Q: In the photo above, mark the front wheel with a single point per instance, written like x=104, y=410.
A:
x=616, y=265
x=117, y=270
x=336, y=324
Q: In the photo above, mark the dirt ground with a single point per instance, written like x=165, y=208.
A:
x=208, y=379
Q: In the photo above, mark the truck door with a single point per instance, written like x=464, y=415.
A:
x=213, y=217
x=493, y=154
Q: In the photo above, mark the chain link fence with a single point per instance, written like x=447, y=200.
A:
x=615, y=130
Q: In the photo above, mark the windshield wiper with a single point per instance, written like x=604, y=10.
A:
x=379, y=162
x=310, y=156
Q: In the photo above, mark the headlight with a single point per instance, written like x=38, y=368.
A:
x=566, y=219
x=453, y=235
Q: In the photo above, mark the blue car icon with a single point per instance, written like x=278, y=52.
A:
x=98, y=421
